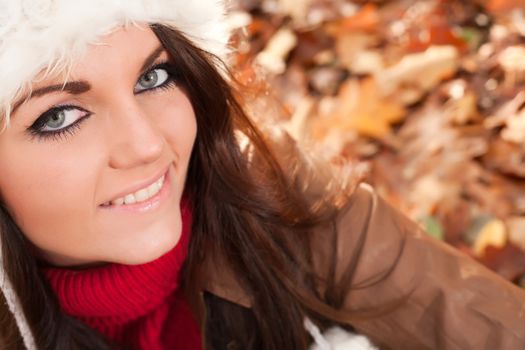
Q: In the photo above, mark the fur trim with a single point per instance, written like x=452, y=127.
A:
x=336, y=338
x=48, y=35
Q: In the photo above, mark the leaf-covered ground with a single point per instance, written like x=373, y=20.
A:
x=428, y=95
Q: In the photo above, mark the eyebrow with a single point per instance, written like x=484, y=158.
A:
x=80, y=87
x=72, y=87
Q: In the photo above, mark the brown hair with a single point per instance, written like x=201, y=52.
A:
x=260, y=223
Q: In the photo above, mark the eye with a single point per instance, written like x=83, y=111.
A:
x=152, y=79
x=60, y=118
x=58, y=121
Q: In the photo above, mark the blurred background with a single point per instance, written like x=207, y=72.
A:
x=426, y=97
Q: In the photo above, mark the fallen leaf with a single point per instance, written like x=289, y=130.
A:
x=508, y=261
x=493, y=233
x=513, y=64
x=326, y=80
x=516, y=226
x=505, y=157
x=276, y=51
x=497, y=6
x=298, y=10
x=349, y=46
x=432, y=27
x=367, y=19
x=362, y=108
x=421, y=71
x=432, y=226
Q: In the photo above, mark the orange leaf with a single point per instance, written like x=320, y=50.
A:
x=361, y=108
x=367, y=19
x=503, y=5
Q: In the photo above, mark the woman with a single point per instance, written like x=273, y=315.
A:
x=131, y=218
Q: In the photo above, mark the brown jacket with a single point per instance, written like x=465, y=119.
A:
x=453, y=302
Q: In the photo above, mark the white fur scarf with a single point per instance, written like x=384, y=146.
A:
x=336, y=338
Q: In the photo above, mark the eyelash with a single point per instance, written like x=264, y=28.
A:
x=35, y=130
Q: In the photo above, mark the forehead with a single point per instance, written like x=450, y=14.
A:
x=124, y=46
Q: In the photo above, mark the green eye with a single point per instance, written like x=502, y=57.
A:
x=152, y=79
x=60, y=118
x=56, y=120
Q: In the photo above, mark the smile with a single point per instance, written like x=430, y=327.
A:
x=139, y=196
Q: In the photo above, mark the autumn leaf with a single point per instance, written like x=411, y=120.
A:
x=419, y=72
x=360, y=107
x=508, y=261
x=433, y=227
x=496, y=6
x=493, y=233
x=367, y=20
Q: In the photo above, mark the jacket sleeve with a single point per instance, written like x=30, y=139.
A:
x=451, y=301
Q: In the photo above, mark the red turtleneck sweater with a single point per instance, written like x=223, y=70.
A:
x=138, y=306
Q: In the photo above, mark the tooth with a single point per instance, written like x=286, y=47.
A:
x=153, y=189
x=141, y=195
x=118, y=201
x=129, y=199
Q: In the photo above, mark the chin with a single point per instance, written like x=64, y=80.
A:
x=151, y=247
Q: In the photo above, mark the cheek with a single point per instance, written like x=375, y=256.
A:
x=176, y=118
x=45, y=189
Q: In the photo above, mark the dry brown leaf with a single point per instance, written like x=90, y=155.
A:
x=513, y=64
x=428, y=192
x=367, y=20
x=420, y=72
x=462, y=105
x=507, y=261
x=362, y=108
x=349, y=45
x=516, y=227
x=493, y=233
x=438, y=33
x=506, y=157
x=455, y=218
x=276, y=51
x=501, y=6
x=298, y=10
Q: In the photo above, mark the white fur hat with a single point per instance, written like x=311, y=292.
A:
x=38, y=35
x=48, y=35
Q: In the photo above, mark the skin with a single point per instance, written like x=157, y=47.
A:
x=55, y=187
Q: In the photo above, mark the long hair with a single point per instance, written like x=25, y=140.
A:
x=246, y=208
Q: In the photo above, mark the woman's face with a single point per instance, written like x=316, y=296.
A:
x=93, y=171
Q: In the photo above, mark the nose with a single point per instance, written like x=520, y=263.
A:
x=135, y=138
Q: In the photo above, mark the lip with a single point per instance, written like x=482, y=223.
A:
x=139, y=185
x=148, y=205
